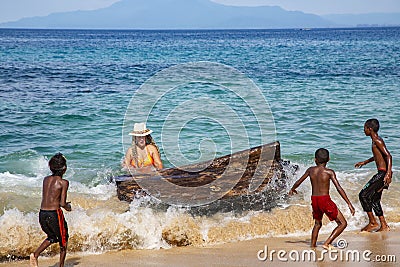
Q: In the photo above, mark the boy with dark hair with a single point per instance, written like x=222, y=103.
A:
x=51, y=218
x=320, y=177
x=370, y=195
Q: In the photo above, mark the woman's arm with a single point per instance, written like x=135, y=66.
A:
x=126, y=163
x=156, y=157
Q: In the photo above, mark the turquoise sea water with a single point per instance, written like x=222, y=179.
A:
x=69, y=90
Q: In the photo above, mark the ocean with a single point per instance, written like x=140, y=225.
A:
x=80, y=91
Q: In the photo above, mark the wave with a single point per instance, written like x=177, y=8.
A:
x=100, y=229
x=99, y=222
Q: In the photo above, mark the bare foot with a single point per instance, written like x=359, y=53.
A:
x=370, y=227
x=384, y=228
x=328, y=247
x=33, y=262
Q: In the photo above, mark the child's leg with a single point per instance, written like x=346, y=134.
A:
x=342, y=223
x=384, y=226
x=368, y=199
x=372, y=224
x=376, y=206
x=63, y=253
x=315, y=231
x=45, y=244
x=34, y=256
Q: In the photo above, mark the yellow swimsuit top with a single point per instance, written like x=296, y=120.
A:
x=148, y=161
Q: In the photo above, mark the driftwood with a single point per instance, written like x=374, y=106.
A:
x=252, y=190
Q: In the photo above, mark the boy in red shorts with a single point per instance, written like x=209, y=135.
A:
x=320, y=177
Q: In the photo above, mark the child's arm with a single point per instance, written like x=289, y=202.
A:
x=298, y=182
x=380, y=144
x=365, y=162
x=342, y=193
x=63, y=203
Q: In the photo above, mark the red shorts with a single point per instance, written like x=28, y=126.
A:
x=323, y=204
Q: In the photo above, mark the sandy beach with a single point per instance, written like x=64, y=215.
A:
x=372, y=249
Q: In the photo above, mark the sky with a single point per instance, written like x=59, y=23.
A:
x=10, y=10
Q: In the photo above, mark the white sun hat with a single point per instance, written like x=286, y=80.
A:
x=140, y=129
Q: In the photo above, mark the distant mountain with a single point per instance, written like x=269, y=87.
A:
x=175, y=14
x=371, y=19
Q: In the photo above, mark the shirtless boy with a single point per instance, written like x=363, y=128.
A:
x=51, y=219
x=370, y=195
x=320, y=177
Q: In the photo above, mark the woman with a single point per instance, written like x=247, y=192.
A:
x=144, y=151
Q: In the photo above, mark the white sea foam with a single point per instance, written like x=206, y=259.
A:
x=100, y=222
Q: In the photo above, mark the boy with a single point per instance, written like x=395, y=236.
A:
x=51, y=219
x=370, y=195
x=321, y=202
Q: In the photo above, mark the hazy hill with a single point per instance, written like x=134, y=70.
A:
x=175, y=14
x=377, y=19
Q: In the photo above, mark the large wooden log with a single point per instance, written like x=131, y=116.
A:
x=264, y=165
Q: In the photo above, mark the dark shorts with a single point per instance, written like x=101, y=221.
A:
x=371, y=194
x=323, y=204
x=54, y=225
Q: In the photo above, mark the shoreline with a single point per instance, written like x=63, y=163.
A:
x=386, y=245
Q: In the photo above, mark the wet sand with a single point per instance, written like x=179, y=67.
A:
x=244, y=253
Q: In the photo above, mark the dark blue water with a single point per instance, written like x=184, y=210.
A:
x=68, y=90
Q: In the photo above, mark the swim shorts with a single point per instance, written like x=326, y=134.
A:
x=54, y=225
x=371, y=194
x=323, y=204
